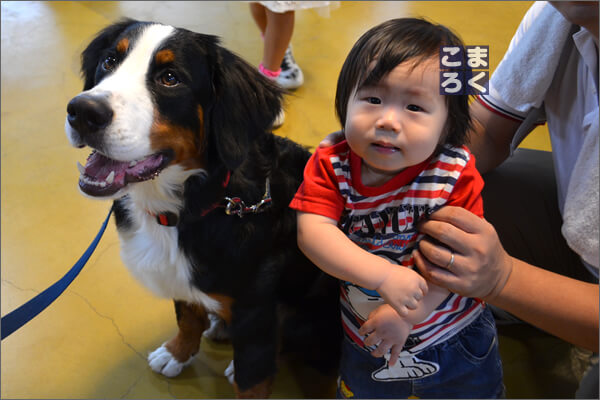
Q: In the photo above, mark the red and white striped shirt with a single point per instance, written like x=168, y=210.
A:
x=382, y=220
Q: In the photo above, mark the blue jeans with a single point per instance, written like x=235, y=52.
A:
x=467, y=365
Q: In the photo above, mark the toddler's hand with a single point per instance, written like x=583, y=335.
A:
x=387, y=330
x=402, y=289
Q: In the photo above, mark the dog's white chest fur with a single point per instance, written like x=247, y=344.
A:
x=151, y=251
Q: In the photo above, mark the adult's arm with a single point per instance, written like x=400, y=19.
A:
x=562, y=306
x=491, y=136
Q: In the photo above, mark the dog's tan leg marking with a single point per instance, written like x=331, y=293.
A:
x=259, y=391
x=192, y=320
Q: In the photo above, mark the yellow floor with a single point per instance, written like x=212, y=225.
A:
x=93, y=341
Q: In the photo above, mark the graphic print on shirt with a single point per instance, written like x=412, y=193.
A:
x=362, y=302
x=385, y=225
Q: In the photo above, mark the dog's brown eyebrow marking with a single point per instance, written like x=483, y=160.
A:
x=164, y=56
x=123, y=45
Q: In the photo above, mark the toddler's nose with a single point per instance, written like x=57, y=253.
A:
x=389, y=120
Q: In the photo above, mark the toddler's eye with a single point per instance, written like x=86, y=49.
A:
x=414, y=107
x=374, y=100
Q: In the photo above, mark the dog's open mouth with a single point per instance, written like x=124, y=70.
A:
x=103, y=176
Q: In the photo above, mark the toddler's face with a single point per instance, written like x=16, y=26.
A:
x=398, y=122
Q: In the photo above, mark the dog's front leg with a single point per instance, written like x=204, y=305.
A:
x=170, y=358
x=255, y=344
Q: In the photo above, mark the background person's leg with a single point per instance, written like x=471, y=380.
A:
x=278, y=33
x=259, y=14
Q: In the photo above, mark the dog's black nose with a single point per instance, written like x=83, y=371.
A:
x=88, y=113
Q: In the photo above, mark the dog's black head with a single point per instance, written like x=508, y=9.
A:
x=158, y=98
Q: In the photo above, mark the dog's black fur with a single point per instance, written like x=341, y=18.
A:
x=254, y=260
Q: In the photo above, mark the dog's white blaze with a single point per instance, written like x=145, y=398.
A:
x=127, y=137
x=151, y=251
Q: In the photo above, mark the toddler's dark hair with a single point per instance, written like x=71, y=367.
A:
x=390, y=44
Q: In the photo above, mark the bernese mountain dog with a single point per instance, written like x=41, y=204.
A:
x=179, y=129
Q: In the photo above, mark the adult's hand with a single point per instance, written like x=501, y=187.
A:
x=332, y=138
x=562, y=306
x=480, y=267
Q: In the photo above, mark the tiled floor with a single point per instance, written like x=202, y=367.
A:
x=93, y=342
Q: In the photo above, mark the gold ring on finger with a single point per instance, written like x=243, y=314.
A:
x=449, y=265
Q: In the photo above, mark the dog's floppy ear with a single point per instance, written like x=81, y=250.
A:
x=244, y=106
x=103, y=40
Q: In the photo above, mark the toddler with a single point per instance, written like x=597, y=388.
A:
x=358, y=212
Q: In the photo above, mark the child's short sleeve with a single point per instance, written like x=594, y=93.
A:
x=467, y=190
x=319, y=193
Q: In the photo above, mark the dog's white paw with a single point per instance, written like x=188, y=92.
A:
x=230, y=373
x=218, y=329
x=162, y=361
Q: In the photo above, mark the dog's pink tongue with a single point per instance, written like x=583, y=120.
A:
x=100, y=167
x=103, y=176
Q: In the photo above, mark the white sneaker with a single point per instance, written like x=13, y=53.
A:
x=291, y=76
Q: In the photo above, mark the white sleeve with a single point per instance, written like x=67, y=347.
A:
x=522, y=78
x=530, y=16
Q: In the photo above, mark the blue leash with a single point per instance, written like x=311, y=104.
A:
x=22, y=315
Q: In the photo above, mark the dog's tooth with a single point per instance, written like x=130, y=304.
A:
x=81, y=168
x=133, y=163
x=91, y=182
x=110, y=178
